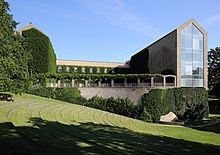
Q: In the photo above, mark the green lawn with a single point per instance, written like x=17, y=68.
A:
x=36, y=125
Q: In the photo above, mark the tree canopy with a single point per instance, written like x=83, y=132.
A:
x=214, y=70
x=13, y=56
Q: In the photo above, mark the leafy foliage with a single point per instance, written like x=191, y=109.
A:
x=43, y=92
x=214, y=68
x=13, y=56
x=214, y=106
x=41, y=78
x=119, y=106
x=187, y=103
x=43, y=56
x=71, y=95
x=156, y=103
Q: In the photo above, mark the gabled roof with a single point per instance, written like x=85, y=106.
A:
x=192, y=21
x=27, y=27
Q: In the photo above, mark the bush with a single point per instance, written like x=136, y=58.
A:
x=214, y=106
x=187, y=103
x=43, y=92
x=215, y=90
x=71, y=95
x=119, y=106
x=156, y=103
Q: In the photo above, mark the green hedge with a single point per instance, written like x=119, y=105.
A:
x=187, y=103
x=119, y=106
x=91, y=76
x=156, y=103
x=71, y=95
x=214, y=106
x=43, y=56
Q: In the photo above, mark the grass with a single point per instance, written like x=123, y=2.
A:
x=36, y=125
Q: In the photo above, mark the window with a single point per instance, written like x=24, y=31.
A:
x=106, y=70
x=75, y=69
x=67, y=69
x=83, y=69
x=98, y=70
x=59, y=68
x=192, y=53
x=90, y=70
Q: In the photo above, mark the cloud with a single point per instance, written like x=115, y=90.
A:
x=116, y=12
x=212, y=19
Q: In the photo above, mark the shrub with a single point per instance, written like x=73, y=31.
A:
x=43, y=92
x=214, y=106
x=187, y=103
x=156, y=103
x=43, y=56
x=97, y=102
x=71, y=95
x=119, y=106
x=145, y=115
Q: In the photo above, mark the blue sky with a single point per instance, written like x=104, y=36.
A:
x=113, y=30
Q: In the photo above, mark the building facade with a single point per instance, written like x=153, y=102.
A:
x=182, y=52
x=180, y=56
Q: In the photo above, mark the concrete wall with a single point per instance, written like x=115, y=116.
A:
x=133, y=94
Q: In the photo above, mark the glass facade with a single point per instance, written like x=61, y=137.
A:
x=192, y=54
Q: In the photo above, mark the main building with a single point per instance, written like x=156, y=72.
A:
x=180, y=55
x=182, y=52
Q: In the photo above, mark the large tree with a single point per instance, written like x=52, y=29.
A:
x=13, y=56
x=214, y=70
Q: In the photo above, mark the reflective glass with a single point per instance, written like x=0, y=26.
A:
x=192, y=57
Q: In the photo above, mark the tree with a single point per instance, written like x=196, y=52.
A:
x=214, y=68
x=13, y=56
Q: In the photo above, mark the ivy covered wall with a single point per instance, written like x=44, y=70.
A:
x=43, y=57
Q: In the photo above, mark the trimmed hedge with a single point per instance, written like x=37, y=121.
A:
x=156, y=103
x=71, y=95
x=214, y=106
x=187, y=103
x=43, y=56
x=119, y=106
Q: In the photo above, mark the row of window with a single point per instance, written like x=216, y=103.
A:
x=81, y=69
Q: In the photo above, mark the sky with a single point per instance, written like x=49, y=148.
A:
x=112, y=30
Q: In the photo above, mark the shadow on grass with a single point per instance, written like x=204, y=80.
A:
x=210, y=125
x=46, y=137
x=210, y=128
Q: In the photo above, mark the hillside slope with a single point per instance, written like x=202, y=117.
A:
x=39, y=125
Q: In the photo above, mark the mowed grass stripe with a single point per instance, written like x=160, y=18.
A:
x=65, y=114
